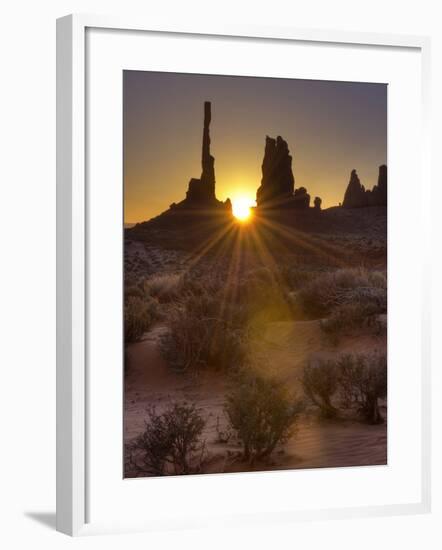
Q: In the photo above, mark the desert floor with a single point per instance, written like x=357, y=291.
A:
x=316, y=442
x=337, y=238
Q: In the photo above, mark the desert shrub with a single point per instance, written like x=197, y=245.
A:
x=171, y=442
x=134, y=291
x=320, y=382
x=163, y=286
x=223, y=435
x=296, y=278
x=262, y=414
x=139, y=314
x=204, y=331
x=258, y=285
x=351, y=318
x=264, y=283
x=343, y=286
x=363, y=381
x=265, y=296
x=378, y=279
x=200, y=280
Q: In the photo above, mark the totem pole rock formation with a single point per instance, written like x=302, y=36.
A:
x=356, y=196
x=202, y=190
x=317, y=203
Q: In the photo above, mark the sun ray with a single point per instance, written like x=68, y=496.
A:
x=207, y=245
x=334, y=254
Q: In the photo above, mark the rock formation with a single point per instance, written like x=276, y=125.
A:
x=202, y=191
x=317, y=203
x=301, y=198
x=277, y=181
x=356, y=196
x=277, y=189
x=355, y=193
x=379, y=191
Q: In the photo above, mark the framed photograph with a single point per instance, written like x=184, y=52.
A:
x=242, y=336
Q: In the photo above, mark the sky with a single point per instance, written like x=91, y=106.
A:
x=330, y=128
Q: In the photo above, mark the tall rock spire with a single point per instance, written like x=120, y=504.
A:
x=207, y=160
x=354, y=196
x=277, y=182
x=202, y=190
x=380, y=190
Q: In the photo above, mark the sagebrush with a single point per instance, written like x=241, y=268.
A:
x=350, y=381
x=320, y=381
x=164, y=286
x=171, y=442
x=139, y=315
x=205, y=332
x=363, y=379
x=263, y=414
x=343, y=286
x=353, y=318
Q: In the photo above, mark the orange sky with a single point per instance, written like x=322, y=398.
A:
x=330, y=127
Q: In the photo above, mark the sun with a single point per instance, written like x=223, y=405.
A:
x=241, y=208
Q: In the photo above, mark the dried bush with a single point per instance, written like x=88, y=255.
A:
x=255, y=286
x=205, y=332
x=197, y=281
x=343, y=286
x=139, y=314
x=262, y=414
x=223, y=435
x=133, y=290
x=171, y=442
x=297, y=278
x=352, y=318
x=264, y=295
x=363, y=380
x=320, y=382
x=164, y=286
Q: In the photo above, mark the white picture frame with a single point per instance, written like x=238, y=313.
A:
x=75, y=479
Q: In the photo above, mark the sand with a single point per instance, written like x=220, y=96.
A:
x=284, y=348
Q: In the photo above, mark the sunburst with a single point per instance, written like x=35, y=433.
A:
x=242, y=208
